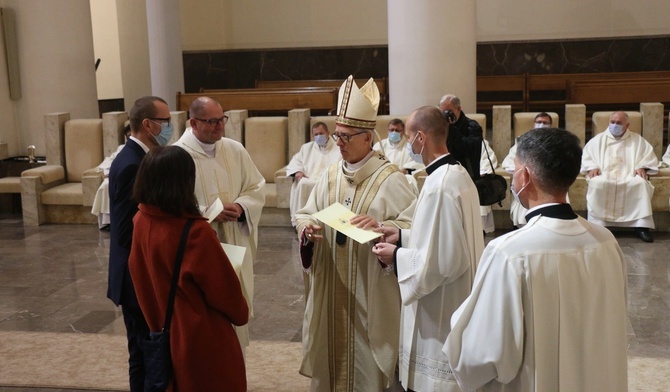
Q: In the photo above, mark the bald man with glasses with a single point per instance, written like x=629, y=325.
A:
x=225, y=171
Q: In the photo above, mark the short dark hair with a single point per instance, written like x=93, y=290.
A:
x=431, y=121
x=397, y=121
x=320, y=124
x=166, y=179
x=553, y=156
x=545, y=114
x=144, y=107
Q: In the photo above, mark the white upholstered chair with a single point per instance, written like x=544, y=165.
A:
x=64, y=189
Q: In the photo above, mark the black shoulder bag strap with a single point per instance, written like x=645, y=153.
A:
x=175, y=274
x=493, y=169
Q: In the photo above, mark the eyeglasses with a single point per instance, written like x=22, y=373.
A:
x=212, y=122
x=159, y=121
x=345, y=138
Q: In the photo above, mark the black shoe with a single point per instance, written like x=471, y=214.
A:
x=644, y=234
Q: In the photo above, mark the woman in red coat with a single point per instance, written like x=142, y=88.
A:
x=206, y=354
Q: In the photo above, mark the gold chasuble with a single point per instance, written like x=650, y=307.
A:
x=352, y=315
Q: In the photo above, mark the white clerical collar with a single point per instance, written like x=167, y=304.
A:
x=351, y=168
x=138, y=141
x=209, y=149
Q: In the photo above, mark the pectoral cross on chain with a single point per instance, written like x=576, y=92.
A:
x=348, y=201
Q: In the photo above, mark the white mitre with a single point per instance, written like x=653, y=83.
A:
x=357, y=108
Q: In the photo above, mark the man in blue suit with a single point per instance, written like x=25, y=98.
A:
x=150, y=126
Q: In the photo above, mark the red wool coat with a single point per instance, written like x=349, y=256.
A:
x=206, y=353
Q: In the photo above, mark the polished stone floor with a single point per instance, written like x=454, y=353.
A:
x=53, y=278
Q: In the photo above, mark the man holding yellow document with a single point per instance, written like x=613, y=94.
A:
x=350, y=328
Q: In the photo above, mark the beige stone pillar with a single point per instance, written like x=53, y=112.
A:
x=432, y=52
x=112, y=131
x=575, y=120
x=235, y=125
x=502, y=130
x=652, y=125
x=54, y=137
x=298, y=130
x=178, y=118
x=165, y=56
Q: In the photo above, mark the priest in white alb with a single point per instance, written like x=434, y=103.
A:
x=224, y=170
x=395, y=148
x=308, y=164
x=350, y=327
x=435, y=261
x=547, y=310
x=617, y=164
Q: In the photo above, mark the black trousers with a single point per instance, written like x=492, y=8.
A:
x=136, y=330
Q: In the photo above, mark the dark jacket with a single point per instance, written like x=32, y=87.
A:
x=121, y=212
x=465, y=143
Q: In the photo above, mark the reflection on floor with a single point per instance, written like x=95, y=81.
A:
x=54, y=278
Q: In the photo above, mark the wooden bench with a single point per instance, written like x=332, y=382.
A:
x=267, y=100
x=501, y=90
x=550, y=91
x=622, y=91
x=382, y=85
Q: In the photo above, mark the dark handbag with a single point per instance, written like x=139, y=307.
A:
x=492, y=188
x=157, y=360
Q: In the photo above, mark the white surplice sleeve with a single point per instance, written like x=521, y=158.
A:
x=486, y=339
x=439, y=253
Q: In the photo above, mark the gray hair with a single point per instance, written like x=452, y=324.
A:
x=553, y=156
x=450, y=98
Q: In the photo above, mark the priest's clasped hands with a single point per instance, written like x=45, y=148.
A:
x=231, y=212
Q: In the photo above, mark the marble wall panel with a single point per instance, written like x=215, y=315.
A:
x=241, y=68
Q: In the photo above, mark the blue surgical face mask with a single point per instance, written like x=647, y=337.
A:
x=415, y=157
x=514, y=193
x=616, y=130
x=164, y=137
x=321, y=140
x=394, y=137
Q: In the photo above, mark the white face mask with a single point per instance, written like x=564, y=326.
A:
x=516, y=194
x=394, y=137
x=616, y=130
x=321, y=140
x=541, y=125
x=415, y=157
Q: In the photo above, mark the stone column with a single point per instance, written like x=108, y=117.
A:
x=432, y=52
x=298, y=130
x=178, y=119
x=165, y=56
x=54, y=137
x=575, y=120
x=652, y=125
x=235, y=125
x=112, y=131
x=502, y=130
